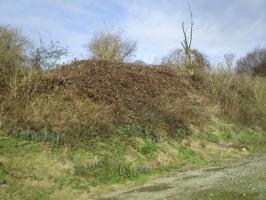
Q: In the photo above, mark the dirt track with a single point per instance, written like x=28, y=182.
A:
x=245, y=180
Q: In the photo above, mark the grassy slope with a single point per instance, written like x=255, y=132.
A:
x=96, y=123
x=35, y=170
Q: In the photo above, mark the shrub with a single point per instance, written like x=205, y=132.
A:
x=111, y=46
x=177, y=59
x=13, y=54
x=47, y=56
x=253, y=63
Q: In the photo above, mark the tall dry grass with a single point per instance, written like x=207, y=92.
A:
x=240, y=97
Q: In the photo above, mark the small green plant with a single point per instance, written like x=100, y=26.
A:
x=227, y=136
x=148, y=148
x=39, y=136
x=109, y=169
x=186, y=154
x=210, y=136
x=180, y=134
x=252, y=137
x=133, y=130
x=3, y=173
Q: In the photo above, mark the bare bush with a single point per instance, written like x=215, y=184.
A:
x=47, y=56
x=177, y=59
x=253, y=63
x=111, y=46
x=13, y=48
x=229, y=60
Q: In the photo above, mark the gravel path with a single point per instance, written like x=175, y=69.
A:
x=245, y=180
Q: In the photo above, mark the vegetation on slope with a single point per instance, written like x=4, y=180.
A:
x=30, y=169
x=66, y=129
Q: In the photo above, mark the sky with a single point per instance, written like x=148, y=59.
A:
x=220, y=26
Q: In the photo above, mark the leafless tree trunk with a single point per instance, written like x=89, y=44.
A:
x=186, y=43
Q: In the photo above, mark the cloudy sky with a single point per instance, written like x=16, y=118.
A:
x=221, y=26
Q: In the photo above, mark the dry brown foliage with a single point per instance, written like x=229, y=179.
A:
x=105, y=93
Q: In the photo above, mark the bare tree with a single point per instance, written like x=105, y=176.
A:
x=186, y=43
x=47, y=56
x=13, y=53
x=13, y=45
x=111, y=46
x=229, y=60
x=253, y=63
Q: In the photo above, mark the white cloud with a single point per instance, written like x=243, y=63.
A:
x=220, y=26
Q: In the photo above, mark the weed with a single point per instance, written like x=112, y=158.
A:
x=180, y=134
x=132, y=130
x=3, y=173
x=39, y=136
x=109, y=169
x=252, y=137
x=227, y=136
x=188, y=155
x=211, y=136
x=148, y=148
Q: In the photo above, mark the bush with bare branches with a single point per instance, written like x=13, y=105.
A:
x=253, y=63
x=108, y=45
x=177, y=59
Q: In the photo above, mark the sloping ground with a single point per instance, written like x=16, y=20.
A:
x=135, y=91
x=150, y=96
x=38, y=170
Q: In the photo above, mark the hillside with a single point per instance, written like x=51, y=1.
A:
x=71, y=130
x=153, y=97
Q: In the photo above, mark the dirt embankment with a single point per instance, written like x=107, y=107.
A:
x=153, y=97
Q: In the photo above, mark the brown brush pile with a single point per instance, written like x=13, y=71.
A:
x=89, y=93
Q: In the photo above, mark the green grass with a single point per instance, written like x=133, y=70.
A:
x=132, y=130
x=180, y=134
x=41, y=170
x=187, y=155
x=29, y=170
x=211, y=136
x=148, y=148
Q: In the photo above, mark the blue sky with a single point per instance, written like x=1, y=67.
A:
x=221, y=26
